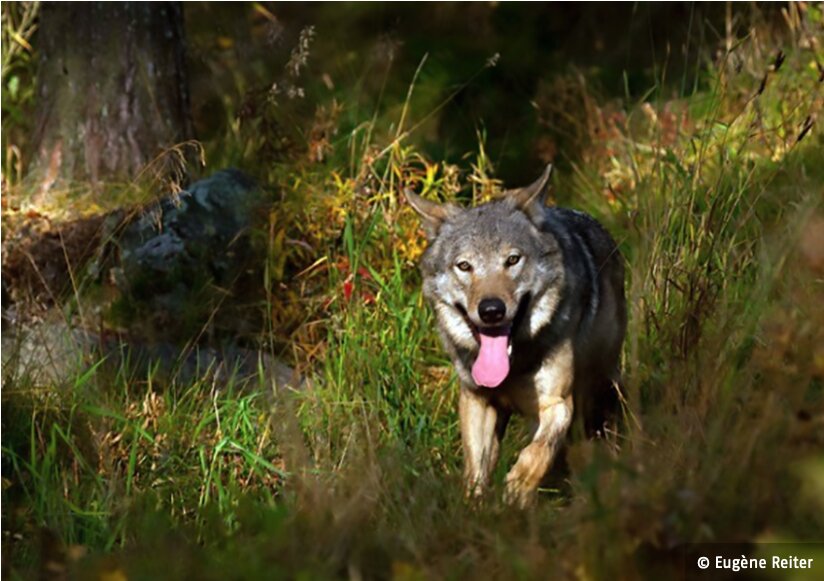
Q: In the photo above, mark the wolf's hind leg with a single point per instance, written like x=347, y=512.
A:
x=523, y=479
x=482, y=428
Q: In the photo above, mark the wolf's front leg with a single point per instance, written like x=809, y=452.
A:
x=482, y=428
x=554, y=419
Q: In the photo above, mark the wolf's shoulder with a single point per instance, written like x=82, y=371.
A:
x=570, y=223
x=574, y=220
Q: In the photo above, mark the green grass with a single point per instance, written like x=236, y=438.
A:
x=359, y=474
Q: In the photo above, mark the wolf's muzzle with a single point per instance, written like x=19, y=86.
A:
x=491, y=310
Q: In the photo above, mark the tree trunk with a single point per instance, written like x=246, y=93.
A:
x=112, y=91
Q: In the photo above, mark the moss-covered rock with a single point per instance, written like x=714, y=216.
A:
x=187, y=260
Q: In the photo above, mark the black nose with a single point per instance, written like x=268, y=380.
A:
x=492, y=310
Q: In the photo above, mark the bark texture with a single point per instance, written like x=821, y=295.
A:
x=112, y=90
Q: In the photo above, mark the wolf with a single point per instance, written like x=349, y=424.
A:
x=530, y=306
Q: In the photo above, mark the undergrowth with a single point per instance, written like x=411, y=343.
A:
x=716, y=201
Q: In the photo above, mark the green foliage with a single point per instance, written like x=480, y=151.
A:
x=19, y=23
x=712, y=197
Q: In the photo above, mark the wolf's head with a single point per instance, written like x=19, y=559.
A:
x=485, y=269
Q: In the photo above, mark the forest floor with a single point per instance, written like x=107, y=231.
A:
x=717, y=201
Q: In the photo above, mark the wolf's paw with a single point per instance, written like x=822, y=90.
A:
x=519, y=493
x=474, y=491
x=524, y=477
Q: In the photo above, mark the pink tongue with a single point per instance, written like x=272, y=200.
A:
x=492, y=365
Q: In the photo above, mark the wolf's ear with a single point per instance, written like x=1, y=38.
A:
x=432, y=214
x=531, y=197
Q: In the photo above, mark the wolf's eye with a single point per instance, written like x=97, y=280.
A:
x=513, y=259
x=464, y=266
